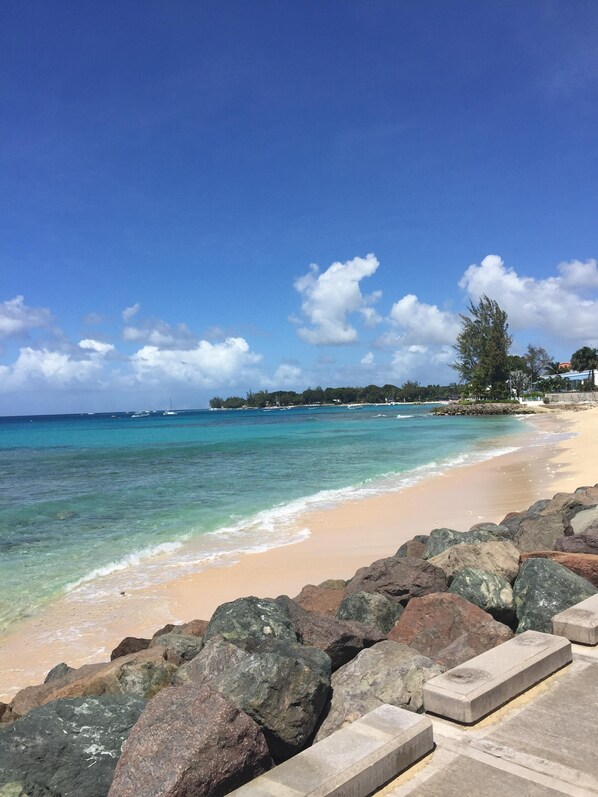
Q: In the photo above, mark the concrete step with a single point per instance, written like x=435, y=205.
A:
x=579, y=623
x=470, y=691
x=353, y=762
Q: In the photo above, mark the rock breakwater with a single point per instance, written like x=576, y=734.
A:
x=206, y=706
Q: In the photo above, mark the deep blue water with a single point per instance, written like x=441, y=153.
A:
x=86, y=496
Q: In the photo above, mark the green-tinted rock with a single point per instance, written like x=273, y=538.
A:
x=67, y=748
x=250, y=617
x=442, y=539
x=544, y=588
x=186, y=645
x=370, y=608
x=489, y=591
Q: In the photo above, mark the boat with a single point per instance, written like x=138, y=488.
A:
x=170, y=411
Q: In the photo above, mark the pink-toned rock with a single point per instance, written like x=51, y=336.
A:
x=400, y=579
x=584, y=564
x=195, y=627
x=585, y=542
x=320, y=599
x=190, y=742
x=448, y=629
x=144, y=674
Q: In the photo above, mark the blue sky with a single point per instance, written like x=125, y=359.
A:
x=172, y=172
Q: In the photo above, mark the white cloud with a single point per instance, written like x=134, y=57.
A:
x=96, y=346
x=367, y=359
x=206, y=365
x=50, y=368
x=16, y=318
x=554, y=305
x=421, y=323
x=329, y=297
x=155, y=332
x=129, y=312
x=286, y=375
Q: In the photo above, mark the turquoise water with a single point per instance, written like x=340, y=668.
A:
x=86, y=498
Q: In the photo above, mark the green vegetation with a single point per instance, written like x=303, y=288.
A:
x=482, y=350
x=371, y=394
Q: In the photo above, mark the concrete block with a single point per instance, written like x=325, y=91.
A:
x=579, y=623
x=470, y=691
x=353, y=762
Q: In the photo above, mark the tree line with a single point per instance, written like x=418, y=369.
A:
x=370, y=394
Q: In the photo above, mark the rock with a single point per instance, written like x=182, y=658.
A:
x=413, y=549
x=544, y=588
x=193, y=627
x=490, y=592
x=585, y=519
x=568, y=505
x=390, y=672
x=59, y=671
x=586, y=542
x=186, y=646
x=584, y=564
x=284, y=687
x=540, y=532
x=320, y=599
x=333, y=583
x=246, y=617
x=217, y=656
x=370, y=608
x=130, y=644
x=142, y=674
x=500, y=558
x=442, y=539
x=165, y=629
x=499, y=532
x=340, y=640
x=539, y=506
x=68, y=748
x=399, y=579
x=190, y=741
x=448, y=629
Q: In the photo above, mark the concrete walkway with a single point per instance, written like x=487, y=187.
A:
x=542, y=744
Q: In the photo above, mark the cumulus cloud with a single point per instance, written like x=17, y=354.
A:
x=129, y=312
x=16, y=318
x=34, y=367
x=329, y=297
x=558, y=304
x=206, y=365
x=367, y=359
x=155, y=332
x=97, y=346
x=287, y=375
x=421, y=323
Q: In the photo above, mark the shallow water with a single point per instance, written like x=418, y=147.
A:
x=86, y=496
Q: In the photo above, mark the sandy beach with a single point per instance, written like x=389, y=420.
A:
x=341, y=539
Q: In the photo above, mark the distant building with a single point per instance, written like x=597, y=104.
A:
x=579, y=376
x=565, y=366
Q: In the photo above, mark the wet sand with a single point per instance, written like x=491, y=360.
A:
x=342, y=539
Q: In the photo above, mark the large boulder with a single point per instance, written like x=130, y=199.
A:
x=59, y=671
x=584, y=564
x=414, y=547
x=325, y=600
x=568, y=505
x=390, y=672
x=250, y=617
x=399, y=579
x=371, y=609
x=130, y=644
x=585, y=542
x=448, y=629
x=190, y=741
x=284, y=687
x=544, y=588
x=538, y=532
x=217, y=656
x=500, y=558
x=585, y=519
x=67, y=748
x=187, y=646
x=342, y=641
x=490, y=592
x=143, y=674
x=442, y=539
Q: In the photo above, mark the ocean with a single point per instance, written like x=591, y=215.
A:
x=93, y=503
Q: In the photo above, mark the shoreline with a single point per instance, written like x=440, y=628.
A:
x=342, y=538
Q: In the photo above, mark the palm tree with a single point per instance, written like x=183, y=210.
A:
x=585, y=359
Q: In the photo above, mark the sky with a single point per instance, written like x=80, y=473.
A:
x=206, y=198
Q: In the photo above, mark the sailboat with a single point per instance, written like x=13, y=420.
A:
x=170, y=411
